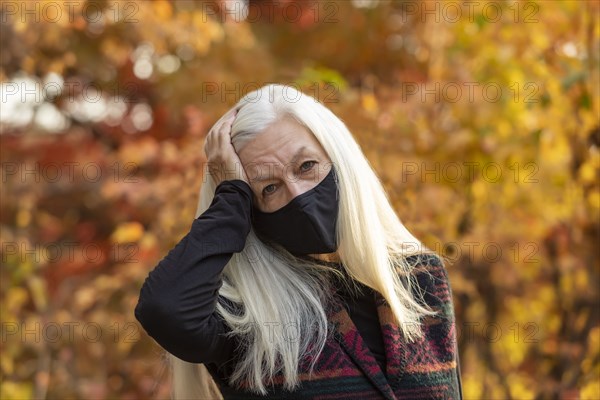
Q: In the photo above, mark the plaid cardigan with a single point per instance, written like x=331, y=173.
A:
x=346, y=369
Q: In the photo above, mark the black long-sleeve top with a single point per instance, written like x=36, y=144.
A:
x=177, y=303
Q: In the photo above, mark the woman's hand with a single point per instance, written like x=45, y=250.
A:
x=223, y=162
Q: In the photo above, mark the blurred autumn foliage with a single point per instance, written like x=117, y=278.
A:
x=481, y=119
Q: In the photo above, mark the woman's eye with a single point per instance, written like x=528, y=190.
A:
x=307, y=166
x=269, y=189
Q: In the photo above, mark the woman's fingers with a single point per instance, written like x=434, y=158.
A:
x=223, y=161
x=223, y=125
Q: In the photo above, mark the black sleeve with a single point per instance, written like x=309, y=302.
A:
x=178, y=298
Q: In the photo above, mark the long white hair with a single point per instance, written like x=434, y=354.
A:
x=273, y=290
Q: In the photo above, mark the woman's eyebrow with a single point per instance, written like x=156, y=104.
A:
x=302, y=151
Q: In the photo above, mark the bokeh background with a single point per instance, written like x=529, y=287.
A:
x=481, y=118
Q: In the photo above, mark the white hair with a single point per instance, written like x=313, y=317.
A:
x=272, y=289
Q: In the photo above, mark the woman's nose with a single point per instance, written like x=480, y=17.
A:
x=295, y=189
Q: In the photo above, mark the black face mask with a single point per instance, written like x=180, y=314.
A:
x=307, y=224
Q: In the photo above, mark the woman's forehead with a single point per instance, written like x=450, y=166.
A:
x=283, y=142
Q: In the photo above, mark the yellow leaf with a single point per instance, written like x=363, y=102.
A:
x=15, y=390
x=162, y=9
x=587, y=173
x=23, y=218
x=7, y=364
x=519, y=387
x=472, y=387
x=37, y=286
x=591, y=391
x=128, y=232
x=369, y=102
x=15, y=298
x=594, y=199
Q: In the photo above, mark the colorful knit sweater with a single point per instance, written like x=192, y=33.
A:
x=346, y=369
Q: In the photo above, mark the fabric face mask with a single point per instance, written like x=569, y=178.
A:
x=307, y=224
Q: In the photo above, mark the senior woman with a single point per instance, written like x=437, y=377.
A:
x=297, y=280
